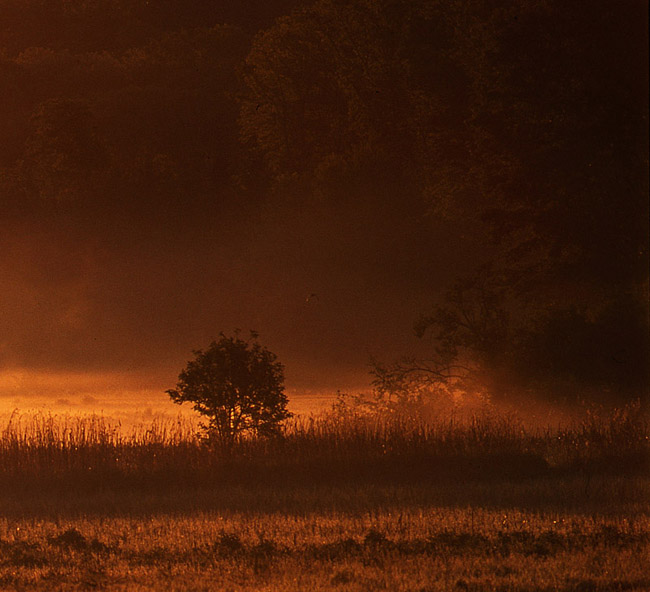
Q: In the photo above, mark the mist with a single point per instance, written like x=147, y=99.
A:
x=330, y=180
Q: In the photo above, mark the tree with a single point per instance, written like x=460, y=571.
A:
x=238, y=385
x=494, y=336
x=472, y=334
x=333, y=100
x=63, y=152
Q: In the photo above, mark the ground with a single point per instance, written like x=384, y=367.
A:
x=550, y=534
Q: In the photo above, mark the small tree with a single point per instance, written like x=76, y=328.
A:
x=238, y=385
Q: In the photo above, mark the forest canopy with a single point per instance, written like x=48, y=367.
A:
x=525, y=121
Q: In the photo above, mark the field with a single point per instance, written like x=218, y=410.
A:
x=352, y=505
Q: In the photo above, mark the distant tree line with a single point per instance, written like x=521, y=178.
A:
x=528, y=116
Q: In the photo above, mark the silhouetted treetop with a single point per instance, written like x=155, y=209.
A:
x=238, y=385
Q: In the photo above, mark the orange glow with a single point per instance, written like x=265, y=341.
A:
x=127, y=397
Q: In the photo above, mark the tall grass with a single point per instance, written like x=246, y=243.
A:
x=93, y=452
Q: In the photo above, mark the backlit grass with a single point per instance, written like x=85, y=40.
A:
x=359, y=505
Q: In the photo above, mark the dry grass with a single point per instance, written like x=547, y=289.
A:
x=416, y=549
x=356, y=505
x=91, y=452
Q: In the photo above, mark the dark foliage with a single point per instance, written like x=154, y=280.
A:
x=238, y=385
x=526, y=119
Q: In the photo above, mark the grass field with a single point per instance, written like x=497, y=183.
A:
x=356, y=505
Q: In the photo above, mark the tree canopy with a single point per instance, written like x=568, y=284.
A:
x=238, y=385
x=524, y=119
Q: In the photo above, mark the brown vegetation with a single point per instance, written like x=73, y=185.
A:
x=354, y=504
x=90, y=452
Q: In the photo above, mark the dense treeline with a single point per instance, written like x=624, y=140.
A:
x=529, y=119
x=115, y=26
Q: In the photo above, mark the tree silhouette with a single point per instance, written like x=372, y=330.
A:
x=238, y=385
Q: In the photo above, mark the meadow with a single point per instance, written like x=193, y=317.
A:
x=350, y=504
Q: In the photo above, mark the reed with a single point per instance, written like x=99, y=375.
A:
x=94, y=452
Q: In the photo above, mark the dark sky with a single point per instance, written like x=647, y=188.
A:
x=319, y=172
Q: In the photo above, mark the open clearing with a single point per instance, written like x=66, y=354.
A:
x=329, y=508
x=369, y=538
